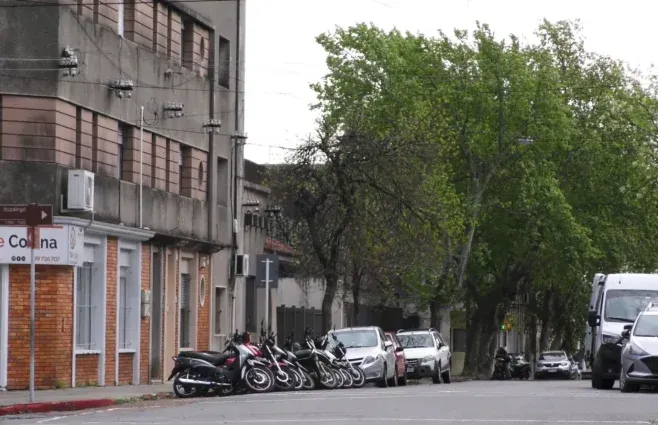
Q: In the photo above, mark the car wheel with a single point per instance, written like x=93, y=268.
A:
x=447, y=376
x=394, y=380
x=436, y=377
x=627, y=387
x=383, y=381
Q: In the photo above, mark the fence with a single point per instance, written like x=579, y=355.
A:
x=387, y=318
x=297, y=319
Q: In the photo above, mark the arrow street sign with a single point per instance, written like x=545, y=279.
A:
x=26, y=215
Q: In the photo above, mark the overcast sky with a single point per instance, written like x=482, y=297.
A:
x=282, y=57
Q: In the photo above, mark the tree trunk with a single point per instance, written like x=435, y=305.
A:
x=544, y=338
x=328, y=300
x=356, y=292
x=480, y=338
x=435, y=316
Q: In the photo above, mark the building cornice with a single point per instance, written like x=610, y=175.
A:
x=106, y=229
x=257, y=187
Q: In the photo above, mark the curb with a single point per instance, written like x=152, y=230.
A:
x=73, y=405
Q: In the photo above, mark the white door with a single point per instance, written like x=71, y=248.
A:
x=4, y=324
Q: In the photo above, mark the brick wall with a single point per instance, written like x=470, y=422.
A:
x=131, y=156
x=196, y=48
x=174, y=36
x=139, y=22
x=105, y=145
x=161, y=29
x=159, y=163
x=54, y=324
x=106, y=14
x=145, y=331
x=111, y=311
x=173, y=169
x=125, y=368
x=86, y=370
x=84, y=139
x=38, y=129
x=194, y=181
x=203, y=317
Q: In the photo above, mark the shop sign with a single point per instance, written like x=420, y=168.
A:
x=57, y=245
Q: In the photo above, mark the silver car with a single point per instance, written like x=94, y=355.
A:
x=639, y=354
x=368, y=349
x=553, y=364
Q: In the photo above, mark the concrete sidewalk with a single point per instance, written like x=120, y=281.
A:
x=15, y=402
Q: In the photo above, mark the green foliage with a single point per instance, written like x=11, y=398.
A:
x=478, y=169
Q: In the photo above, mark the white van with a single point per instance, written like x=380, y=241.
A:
x=616, y=300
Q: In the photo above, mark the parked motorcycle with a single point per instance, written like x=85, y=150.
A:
x=308, y=381
x=286, y=377
x=318, y=345
x=501, y=369
x=308, y=358
x=520, y=368
x=345, y=378
x=356, y=373
x=203, y=372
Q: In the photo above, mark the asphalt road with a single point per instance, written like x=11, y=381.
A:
x=467, y=403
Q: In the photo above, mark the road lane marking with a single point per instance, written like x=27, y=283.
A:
x=353, y=419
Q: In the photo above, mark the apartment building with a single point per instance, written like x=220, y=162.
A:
x=126, y=117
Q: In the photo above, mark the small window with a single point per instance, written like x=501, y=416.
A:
x=125, y=310
x=224, y=63
x=121, y=131
x=180, y=169
x=202, y=47
x=86, y=309
x=200, y=174
x=202, y=291
x=219, y=304
x=185, y=311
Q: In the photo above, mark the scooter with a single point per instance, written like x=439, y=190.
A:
x=520, y=368
x=199, y=372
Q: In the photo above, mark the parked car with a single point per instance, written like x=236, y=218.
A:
x=639, y=354
x=553, y=364
x=427, y=354
x=400, y=358
x=368, y=348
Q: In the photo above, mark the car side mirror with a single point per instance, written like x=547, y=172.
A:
x=628, y=327
x=441, y=345
x=399, y=350
x=593, y=318
x=388, y=344
x=626, y=334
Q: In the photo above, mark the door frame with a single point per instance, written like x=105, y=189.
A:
x=159, y=345
x=4, y=324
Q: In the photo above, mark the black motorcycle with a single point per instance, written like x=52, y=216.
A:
x=308, y=358
x=501, y=369
x=206, y=372
x=520, y=369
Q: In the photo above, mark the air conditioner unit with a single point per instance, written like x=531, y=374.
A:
x=242, y=265
x=80, y=190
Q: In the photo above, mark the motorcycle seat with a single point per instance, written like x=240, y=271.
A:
x=214, y=357
x=302, y=354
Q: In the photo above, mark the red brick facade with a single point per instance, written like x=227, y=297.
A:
x=55, y=325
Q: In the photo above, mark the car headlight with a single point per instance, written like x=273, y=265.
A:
x=636, y=350
x=610, y=339
x=427, y=359
x=563, y=364
x=368, y=360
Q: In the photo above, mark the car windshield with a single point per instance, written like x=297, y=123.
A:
x=647, y=326
x=624, y=305
x=552, y=357
x=416, y=341
x=357, y=339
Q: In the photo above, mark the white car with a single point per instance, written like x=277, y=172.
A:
x=368, y=349
x=427, y=354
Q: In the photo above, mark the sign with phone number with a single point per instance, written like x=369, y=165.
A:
x=57, y=245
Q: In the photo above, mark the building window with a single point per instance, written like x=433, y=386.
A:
x=180, y=169
x=129, y=286
x=121, y=12
x=120, y=151
x=87, y=309
x=185, y=310
x=124, y=310
x=219, y=305
x=224, y=59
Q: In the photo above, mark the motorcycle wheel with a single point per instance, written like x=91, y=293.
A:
x=259, y=379
x=283, y=380
x=309, y=383
x=347, y=378
x=358, y=377
x=299, y=379
x=183, y=390
x=340, y=380
x=327, y=379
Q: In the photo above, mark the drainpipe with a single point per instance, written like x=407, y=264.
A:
x=141, y=165
x=212, y=153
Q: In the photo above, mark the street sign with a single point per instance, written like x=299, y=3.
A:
x=26, y=215
x=261, y=272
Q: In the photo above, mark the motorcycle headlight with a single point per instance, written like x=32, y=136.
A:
x=610, y=338
x=636, y=350
x=427, y=359
x=368, y=360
